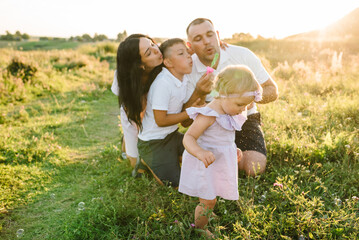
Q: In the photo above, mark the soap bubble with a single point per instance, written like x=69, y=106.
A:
x=308, y=215
x=81, y=206
x=338, y=202
x=262, y=198
x=301, y=237
x=19, y=233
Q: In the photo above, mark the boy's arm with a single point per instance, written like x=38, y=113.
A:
x=188, y=122
x=163, y=119
x=190, y=139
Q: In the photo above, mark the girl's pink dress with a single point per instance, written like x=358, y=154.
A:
x=221, y=177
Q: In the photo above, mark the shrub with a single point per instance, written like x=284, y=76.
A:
x=19, y=69
x=70, y=65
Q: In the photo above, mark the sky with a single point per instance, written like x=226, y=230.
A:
x=167, y=19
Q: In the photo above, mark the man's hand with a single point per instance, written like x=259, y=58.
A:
x=205, y=84
x=206, y=157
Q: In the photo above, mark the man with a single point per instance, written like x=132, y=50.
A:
x=203, y=40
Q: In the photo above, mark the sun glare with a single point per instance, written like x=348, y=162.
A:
x=279, y=18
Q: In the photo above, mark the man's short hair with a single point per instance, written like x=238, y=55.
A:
x=198, y=21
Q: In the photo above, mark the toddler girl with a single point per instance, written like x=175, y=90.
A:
x=209, y=164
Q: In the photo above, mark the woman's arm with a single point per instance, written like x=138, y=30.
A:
x=200, y=124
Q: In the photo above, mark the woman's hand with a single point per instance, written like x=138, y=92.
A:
x=223, y=45
x=239, y=155
x=206, y=157
x=249, y=106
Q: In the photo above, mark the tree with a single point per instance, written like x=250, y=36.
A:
x=79, y=39
x=122, y=36
x=86, y=37
x=8, y=36
x=25, y=36
x=99, y=37
x=242, y=37
x=17, y=36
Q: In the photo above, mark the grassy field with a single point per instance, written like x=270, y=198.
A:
x=62, y=177
x=39, y=45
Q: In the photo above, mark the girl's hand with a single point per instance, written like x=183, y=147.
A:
x=206, y=157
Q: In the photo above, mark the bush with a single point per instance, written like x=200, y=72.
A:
x=22, y=70
x=37, y=73
x=70, y=65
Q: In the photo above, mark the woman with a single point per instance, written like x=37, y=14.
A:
x=139, y=61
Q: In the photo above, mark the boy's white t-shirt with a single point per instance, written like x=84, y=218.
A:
x=166, y=93
x=233, y=55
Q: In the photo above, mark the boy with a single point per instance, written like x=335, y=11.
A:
x=159, y=143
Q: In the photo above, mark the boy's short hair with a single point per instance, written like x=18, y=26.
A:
x=198, y=21
x=169, y=43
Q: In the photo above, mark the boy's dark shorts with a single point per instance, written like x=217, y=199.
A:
x=251, y=137
x=162, y=157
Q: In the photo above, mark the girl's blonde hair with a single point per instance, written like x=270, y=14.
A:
x=236, y=79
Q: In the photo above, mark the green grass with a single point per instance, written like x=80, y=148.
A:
x=61, y=148
x=40, y=45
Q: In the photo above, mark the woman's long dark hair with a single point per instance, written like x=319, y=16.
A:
x=132, y=90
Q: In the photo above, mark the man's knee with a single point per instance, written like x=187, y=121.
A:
x=253, y=163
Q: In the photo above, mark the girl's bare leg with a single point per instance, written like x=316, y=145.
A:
x=202, y=213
